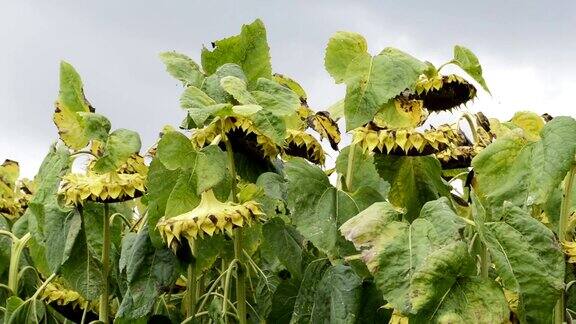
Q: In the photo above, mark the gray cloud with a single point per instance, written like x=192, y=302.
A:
x=526, y=50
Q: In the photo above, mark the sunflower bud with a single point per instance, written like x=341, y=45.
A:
x=209, y=217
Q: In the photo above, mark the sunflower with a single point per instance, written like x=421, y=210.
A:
x=443, y=92
x=406, y=142
x=301, y=144
x=241, y=133
x=209, y=217
x=126, y=183
x=57, y=293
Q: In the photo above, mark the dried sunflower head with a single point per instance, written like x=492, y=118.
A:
x=299, y=143
x=241, y=133
x=107, y=187
x=406, y=142
x=322, y=123
x=209, y=217
x=458, y=157
x=443, y=92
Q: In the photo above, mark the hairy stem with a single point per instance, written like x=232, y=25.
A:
x=240, y=269
x=350, y=166
x=18, y=245
x=104, y=309
x=192, y=283
x=563, y=234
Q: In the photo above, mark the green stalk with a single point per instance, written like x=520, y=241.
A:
x=192, y=283
x=484, y=261
x=350, y=166
x=563, y=234
x=104, y=309
x=18, y=245
x=240, y=269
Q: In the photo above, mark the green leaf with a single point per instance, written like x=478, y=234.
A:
x=74, y=117
x=194, y=98
x=343, y=48
x=305, y=300
x=318, y=208
x=364, y=170
x=273, y=184
x=413, y=180
x=523, y=172
x=414, y=264
x=237, y=88
x=30, y=311
x=176, y=151
x=183, y=68
x=213, y=87
x=270, y=125
x=249, y=50
x=148, y=271
x=466, y=60
x=471, y=300
x=283, y=241
x=5, y=244
x=373, y=81
x=121, y=144
x=275, y=98
x=528, y=260
x=62, y=228
x=337, y=299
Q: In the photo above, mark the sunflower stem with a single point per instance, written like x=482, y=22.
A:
x=18, y=245
x=104, y=308
x=350, y=166
x=192, y=283
x=240, y=269
x=563, y=234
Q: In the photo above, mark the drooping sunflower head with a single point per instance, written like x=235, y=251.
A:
x=210, y=217
x=57, y=293
x=406, y=142
x=107, y=187
x=14, y=193
x=241, y=133
x=301, y=144
x=443, y=92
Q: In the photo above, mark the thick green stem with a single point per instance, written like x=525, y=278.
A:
x=18, y=245
x=238, y=254
x=192, y=283
x=104, y=309
x=350, y=166
x=563, y=233
x=484, y=261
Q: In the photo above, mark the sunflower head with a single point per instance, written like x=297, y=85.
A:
x=57, y=293
x=301, y=144
x=406, y=142
x=241, y=133
x=14, y=193
x=443, y=92
x=209, y=217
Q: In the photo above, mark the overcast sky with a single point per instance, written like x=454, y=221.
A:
x=527, y=50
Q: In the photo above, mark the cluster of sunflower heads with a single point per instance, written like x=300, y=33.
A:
x=57, y=293
x=241, y=133
x=210, y=217
x=299, y=143
x=406, y=142
x=443, y=92
x=127, y=183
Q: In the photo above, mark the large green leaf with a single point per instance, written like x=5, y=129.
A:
x=30, y=311
x=515, y=169
x=74, y=117
x=182, y=68
x=213, y=84
x=471, y=300
x=275, y=98
x=283, y=241
x=62, y=227
x=249, y=50
x=238, y=89
x=305, y=300
x=148, y=271
x=5, y=244
x=270, y=125
x=343, y=48
x=318, y=208
x=119, y=146
x=413, y=181
x=337, y=298
x=465, y=59
x=414, y=264
x=528, y=260
x=372, y=81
